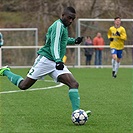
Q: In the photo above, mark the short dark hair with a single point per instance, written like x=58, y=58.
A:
x=117, y=18
x=71, y=9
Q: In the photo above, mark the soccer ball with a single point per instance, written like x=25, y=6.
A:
x=79, y=117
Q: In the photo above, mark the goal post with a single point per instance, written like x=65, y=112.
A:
x=21, y=44
x=15, y=38
x=89, y=27
x=80, y=20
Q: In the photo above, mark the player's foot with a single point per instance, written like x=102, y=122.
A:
x=3, y=69
x=113, y=74
x=88, y=112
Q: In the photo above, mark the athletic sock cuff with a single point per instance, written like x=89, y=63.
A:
x=19, y=80
x=73, y=90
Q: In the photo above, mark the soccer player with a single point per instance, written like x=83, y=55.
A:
x=117, y=35
x=49, y=60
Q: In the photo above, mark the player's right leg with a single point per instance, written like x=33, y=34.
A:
x=34, y=74
x=3, y=69
x=113, y=67
x=114, y=62
x=16, y=79
x=26, y=83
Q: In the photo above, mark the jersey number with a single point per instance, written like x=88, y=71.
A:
x=31, y=71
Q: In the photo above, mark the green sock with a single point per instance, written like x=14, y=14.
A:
x=74, y=98
x=14, y=78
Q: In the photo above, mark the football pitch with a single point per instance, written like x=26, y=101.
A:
x=46, y=108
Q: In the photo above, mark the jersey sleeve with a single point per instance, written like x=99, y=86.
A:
x=123, y=35
x=109, y=34
x=55, y=41
x=70, y=40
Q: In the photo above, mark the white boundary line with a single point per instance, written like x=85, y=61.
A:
x=34, y=89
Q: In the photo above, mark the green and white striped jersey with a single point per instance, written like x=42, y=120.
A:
x=56, y=41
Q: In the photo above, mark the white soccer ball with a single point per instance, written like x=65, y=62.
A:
x=79, y=117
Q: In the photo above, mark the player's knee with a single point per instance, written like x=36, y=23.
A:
x=118, y=60
x=23, y=86
x=114, y=57
x=74, y=85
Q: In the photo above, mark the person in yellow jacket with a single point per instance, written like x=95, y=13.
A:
x=117, y=36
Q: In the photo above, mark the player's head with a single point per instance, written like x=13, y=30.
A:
x=68, y=16
x=117, y=21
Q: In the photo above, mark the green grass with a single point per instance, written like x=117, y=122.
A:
x=49, y=111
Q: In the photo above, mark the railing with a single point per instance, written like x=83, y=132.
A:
x=16, y=30
x=77, y=54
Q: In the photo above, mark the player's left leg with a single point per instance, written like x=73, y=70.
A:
x=65, y=76
x=114, y=65
x=117, y=65
x=119, y=56
x=73, y=85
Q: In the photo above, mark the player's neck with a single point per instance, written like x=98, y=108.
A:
x=117, y=26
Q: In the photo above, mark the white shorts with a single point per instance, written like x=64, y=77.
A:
x=43, y=66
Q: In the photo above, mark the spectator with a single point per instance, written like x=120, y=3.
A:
x=88, y=51
x=98, y=41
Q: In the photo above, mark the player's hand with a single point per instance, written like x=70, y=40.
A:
x=117, y=33
x=78, y=40
x=111, y=39
x=59, y=65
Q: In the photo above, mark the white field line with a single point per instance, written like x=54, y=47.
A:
x=34, y=89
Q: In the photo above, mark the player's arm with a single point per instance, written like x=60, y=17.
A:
x=55, y=45
x=55, y=42
x=110, y=35
x=70, y=40
x=78, y=40
x=123, y=34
